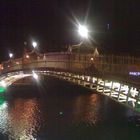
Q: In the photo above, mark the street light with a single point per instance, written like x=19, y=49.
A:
x=83, y=31
x=10, y=55
x=27, y=56
x=34, y=44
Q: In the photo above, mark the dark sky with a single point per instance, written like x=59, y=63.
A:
x=52, y=24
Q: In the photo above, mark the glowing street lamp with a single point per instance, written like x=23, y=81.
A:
x=83, y=31
x=34, y=44
x=10, y=55
x=27, y=56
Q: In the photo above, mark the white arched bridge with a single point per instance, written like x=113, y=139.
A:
x=113, y=76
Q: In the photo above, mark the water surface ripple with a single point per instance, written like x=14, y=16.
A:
x=54, y=109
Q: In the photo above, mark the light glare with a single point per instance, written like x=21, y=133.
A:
x=27, y=56
x=35, y=76
x=91, y=59
x=83, y=31
x=34, y=44
x=10, y=55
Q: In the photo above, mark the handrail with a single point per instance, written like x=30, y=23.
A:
x=104, y=64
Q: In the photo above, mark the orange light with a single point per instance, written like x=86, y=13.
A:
x=91, y=59
x=27, y=56
x=1, y=67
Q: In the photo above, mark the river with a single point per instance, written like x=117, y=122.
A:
x=53, y=109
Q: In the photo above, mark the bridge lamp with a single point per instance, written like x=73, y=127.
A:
x=34, y=44
x=17, y=63
x=91, y=58
x=27, y=56
x=83, y=31
x=10, y=55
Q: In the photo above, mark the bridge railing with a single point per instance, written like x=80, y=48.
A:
x=117, y=64
x=105, y=64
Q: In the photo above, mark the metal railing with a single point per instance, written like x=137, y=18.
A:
x=101, y=64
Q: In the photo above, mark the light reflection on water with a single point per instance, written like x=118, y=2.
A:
x=87, y=109
x=63, y=111
x=18, y=118
x=3, y=115
x=22, y=116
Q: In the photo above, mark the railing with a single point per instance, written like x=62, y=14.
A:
x=102, y=64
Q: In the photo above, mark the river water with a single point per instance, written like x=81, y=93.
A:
x=57, y=110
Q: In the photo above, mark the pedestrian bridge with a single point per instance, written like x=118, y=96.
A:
x=113, y=76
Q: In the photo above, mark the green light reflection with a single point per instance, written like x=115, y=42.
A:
x=2, y=89
x=2, y=100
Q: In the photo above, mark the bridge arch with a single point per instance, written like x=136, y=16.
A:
x=108, y=75
x=7, y=79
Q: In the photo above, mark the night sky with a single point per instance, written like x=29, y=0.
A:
x=113, y=24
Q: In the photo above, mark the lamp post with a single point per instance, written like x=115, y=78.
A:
x=11, y=55
x=84, y=33
x=10, y=60
x=34, y=44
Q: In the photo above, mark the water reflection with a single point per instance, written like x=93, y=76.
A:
x=22, y=116
x=18, y=118
x=62, y=111
x=87, y=109
x=3, y=115
x=2, y=101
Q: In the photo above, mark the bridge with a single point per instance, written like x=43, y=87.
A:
x=114, y=76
